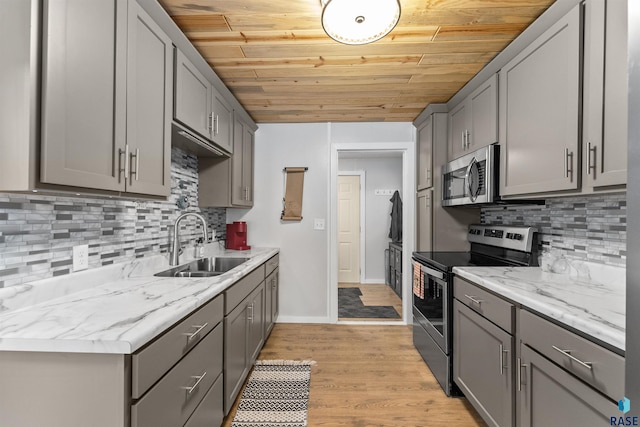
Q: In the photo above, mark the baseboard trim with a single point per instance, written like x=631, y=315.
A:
x=373, y=282
x=302, y=319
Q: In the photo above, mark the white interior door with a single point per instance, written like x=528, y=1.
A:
x=348, y=228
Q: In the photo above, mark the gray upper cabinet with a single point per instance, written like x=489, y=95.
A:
x=192, y=96
x=84, y=72
x=149, y=105
x=539, y=112
x=425, y=155
x=106, y=97
x=199, y=106
x=222, y=117
x=425, y=220
x=605, y=94
x=229, y=182
x=473, y=123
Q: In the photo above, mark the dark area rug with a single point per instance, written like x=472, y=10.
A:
x=350, y=306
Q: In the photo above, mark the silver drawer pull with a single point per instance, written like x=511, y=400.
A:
x=502, y=352
x=474, y=299
x=520, y=367
x=575, y=359
x=193, y=387
x=192, y=335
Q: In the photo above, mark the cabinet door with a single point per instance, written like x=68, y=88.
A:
x=483, y=105
x=242, y=165
x=605, y=93
x=425, y=215
x=192, y=97
x=256, y=322
x=222, y=116
x=539, y=112
x=425, y=155
x=482, y=366
x=83, y=92
x=149, y=103
x=550, y=396
x=458, y=129
x=236, y=356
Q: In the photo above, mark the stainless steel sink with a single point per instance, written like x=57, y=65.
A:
x=203, y=267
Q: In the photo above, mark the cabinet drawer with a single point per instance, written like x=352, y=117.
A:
x=243, y=287
x=174, y=398
x=151, y=363
x=492, y=307
x=209, y=413
x=607, y=368
x=272, y=264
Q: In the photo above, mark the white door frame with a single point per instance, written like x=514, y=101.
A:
x=408, y=151
x=363, y=227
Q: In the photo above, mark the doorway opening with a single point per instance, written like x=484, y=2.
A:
x=365, y=182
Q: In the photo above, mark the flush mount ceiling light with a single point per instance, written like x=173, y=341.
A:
x=359, y=21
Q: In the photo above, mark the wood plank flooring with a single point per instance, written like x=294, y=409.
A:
x=375, y=294
x=367, y=376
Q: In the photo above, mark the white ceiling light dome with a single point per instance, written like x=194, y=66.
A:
x=359, y=21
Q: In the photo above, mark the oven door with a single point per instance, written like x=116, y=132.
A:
x=430, y=300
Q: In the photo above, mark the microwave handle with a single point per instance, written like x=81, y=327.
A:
x=467, y=182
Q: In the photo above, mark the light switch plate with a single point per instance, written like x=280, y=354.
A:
x=80, y=257
x=318, y=224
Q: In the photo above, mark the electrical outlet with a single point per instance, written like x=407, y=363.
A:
x=318, y=224
x=80, y=257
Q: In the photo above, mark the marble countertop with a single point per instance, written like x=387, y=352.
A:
x=115, y=309
x=593, y=305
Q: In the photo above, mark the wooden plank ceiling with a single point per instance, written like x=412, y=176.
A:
x=276, y=59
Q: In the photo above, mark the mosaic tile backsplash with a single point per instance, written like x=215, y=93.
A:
x=589, y=228
x=38, y=232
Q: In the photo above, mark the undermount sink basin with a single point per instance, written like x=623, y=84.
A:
x=203, y=267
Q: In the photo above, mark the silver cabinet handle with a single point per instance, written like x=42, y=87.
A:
x=122, y=168
x=125, y=169
x=502, y=352
x=137, y=157
x=520, y=366
x=250, y=315
x=567, y=353
x=591, y=165
x=216, y=121
x=198, y=379
x=192, y=335
x=210, y=122
x=466, y=141
x=568, y=164
x=464, y=137
x=474, y=299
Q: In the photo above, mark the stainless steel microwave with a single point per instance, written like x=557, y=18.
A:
x=471, y=179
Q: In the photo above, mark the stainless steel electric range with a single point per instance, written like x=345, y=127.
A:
x=491, y=245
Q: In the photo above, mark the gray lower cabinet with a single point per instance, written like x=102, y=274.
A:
x=549, y=396
x=244, y=327
x=395, y=268
x=482, y=366
x=271, y=301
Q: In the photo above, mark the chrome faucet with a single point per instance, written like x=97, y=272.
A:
x=176, y=249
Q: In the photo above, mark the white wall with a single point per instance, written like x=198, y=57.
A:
x=383, y=173
x=304, y=256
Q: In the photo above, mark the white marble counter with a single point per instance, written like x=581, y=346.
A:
x=114, y=309
x=593, y=305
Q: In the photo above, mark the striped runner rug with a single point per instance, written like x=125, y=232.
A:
x=276, y=395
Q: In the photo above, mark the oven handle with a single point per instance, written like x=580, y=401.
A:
x=431, y=272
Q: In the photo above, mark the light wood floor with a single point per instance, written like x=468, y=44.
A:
x=376, y=294
x=367, y=376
